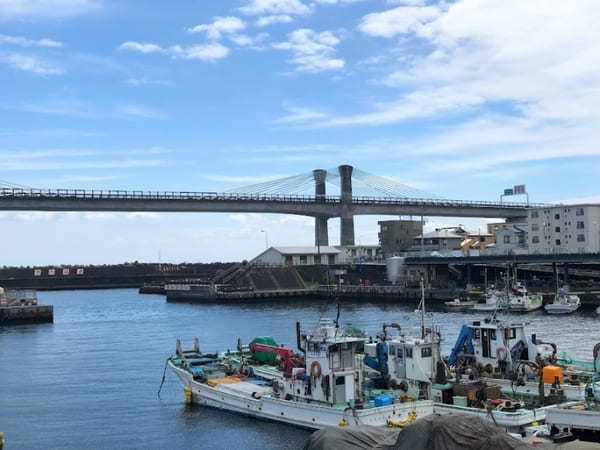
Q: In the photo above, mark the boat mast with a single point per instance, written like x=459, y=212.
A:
x=422, y=308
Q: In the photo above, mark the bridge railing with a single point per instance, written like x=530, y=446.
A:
x=113, y=194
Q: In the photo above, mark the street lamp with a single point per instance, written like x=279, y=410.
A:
x=266, y=238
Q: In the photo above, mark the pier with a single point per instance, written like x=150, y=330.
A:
x=18, y=315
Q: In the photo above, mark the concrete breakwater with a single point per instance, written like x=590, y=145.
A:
x=17, y=315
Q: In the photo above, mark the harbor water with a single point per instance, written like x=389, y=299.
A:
x=90, y=380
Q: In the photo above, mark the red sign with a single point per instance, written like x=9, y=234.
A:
x=37, y=272
x=51, y=272
x=65, y=271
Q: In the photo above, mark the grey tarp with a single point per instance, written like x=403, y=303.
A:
x=450, y=432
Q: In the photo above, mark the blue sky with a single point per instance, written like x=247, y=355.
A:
x=461, y=99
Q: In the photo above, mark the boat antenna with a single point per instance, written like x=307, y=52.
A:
x=422, y=305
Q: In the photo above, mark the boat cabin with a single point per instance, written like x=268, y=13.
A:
x=333, y=369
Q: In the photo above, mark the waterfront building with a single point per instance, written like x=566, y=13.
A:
x=564, y=229
x=512, y=239
x=299, y=256
x=442, y=240
x=396, y=236
x=326, y=255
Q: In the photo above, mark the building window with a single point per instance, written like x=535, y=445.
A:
x=302, y=259
x=521, y=240
x=317, y=259
x=535, y=239
x=507, y=239
x=558, y=242
x=288, y=260
x=557, y=229
x=579, y=212
x=535, y=227
x=535, y=214
x=580, y=225
x=557, y=216
x=331, y=259
x=580, y=238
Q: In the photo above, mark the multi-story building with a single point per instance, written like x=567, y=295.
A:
x=396, y=236
x=512, y=239
x=564, y=229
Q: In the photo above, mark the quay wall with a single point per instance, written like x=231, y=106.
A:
x=17, y=315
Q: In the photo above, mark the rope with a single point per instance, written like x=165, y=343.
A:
x=163, y=378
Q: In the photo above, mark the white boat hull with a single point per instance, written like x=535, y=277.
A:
x=307, y=415
x=560, y=309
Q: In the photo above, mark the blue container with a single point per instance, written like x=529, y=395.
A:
x=383, y=400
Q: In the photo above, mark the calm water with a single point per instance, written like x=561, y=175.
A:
x=90, y=379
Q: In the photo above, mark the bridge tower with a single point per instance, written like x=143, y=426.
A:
x=321, y=232
x=347, y=221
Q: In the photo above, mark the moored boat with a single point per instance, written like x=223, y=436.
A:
x=323, y=387
x=564, y=303
x=521, y=300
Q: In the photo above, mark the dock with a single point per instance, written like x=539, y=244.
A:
x=18, y=315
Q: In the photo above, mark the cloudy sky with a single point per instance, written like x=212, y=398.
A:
x=458, y=98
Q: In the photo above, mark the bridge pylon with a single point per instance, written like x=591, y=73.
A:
x=347, y=220
x=321, y=231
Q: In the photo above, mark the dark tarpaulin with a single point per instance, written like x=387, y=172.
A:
x=449, y=432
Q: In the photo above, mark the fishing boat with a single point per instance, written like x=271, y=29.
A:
x=413, y=366
x=322, y=386
x=459, y=304
x=564, y=303
x=493, y=300
x=521, y=300
x=519, y=362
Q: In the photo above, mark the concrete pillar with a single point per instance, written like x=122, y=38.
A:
x=347, y=221
x=321, y=232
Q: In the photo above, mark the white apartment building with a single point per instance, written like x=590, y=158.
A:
x=564, y=229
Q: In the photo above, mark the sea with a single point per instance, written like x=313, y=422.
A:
x=90, y=379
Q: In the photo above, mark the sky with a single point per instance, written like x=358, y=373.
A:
x=457, y=98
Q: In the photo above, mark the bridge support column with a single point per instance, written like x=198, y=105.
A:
x=321, y=232
x=347, y=220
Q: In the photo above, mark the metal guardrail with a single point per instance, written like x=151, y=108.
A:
x=83, y=194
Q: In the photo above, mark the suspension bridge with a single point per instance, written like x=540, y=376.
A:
x=355, y=192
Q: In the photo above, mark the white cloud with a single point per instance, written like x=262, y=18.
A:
x=243, y=40
x=299, y=114
x=24, y=42
x=219, y=26
x=527, y=80
x=30, y=64
x=312, y=51
x=275, y=7
x=399, y=20
x=141, y=47
x=270, y=20
x=204, y=52
x=144, y=81
x=45, y=9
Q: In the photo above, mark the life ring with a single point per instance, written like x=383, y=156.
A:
x=315, y=369
x=501, y=354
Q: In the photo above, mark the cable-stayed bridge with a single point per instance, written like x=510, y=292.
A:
x=354, y=193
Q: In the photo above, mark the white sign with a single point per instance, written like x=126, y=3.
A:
x=65, y=271
x=37, y=272
x=51, y=272
x=80, y=271
x=519, y=189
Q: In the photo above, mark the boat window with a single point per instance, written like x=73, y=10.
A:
x=426, y=352
x=340, y=380
x=409, y=352
x=346, y=359
x=510, y=333
x=476, y=333
x=335, y=360
x=399, y=353
x=493, y=335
